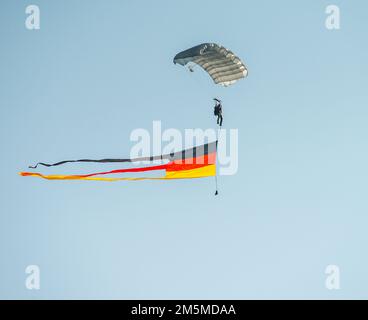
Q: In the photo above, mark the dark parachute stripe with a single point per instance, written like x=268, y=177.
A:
x=180, y=155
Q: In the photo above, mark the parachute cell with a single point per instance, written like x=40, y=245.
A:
x=224, y=67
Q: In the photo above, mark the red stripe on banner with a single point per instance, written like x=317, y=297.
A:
x=177, y=165
x=152, y=168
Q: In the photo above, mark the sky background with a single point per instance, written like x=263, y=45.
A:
x=96, y=70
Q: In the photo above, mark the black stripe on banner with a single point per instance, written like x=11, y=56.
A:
x=181, y=155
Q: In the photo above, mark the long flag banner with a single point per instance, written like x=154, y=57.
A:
x=196, y=162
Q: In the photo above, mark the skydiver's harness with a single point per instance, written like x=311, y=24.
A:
x=217, y=110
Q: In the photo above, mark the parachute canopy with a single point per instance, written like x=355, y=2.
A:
x=224, y=67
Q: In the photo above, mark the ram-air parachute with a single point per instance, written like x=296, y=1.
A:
x=224, y=67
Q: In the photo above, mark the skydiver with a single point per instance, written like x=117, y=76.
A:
x=218, y=111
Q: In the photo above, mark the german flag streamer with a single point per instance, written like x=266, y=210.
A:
x=197, y=162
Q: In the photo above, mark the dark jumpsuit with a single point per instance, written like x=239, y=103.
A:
x=219, y=115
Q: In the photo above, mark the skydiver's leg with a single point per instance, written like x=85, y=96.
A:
x=221, y=118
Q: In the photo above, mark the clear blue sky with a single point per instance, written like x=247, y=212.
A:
x=99, y=69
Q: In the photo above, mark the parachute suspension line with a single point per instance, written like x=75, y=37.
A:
x=216, y=193
x=218, y=130
x=191, y=67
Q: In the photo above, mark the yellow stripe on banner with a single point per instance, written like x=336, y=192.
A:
x=206, y=171
x=70, y=177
